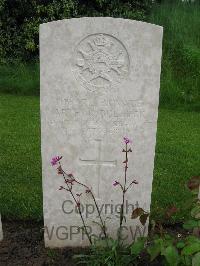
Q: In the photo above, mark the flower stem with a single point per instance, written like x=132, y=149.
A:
x=123, y=192
x=99, y=213
x=72, y=194
x=96, y=205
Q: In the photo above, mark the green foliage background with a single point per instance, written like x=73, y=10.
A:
x=20, y=19
x=178, y=142
x=180, y=77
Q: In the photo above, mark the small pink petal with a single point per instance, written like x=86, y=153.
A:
x=55, y=159
x=127, y=140
x=116, y=183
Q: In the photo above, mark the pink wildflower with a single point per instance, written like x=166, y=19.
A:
x=127, y=140
x=55, y=159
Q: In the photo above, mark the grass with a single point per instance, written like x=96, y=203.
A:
x=20, y=163
x=180, y=78
x=178, y=141
x=20, y=78
x=177, y=158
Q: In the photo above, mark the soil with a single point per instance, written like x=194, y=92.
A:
x=23, y=244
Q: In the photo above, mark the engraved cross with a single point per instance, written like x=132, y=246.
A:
x=98, y=162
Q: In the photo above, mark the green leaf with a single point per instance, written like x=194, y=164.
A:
x=171, y=255
x=196, y=259
x=190, y=224
x=192, y=239
x=195, y=212
x=154, y=250
x=186, y=260
x=180, y=244
x=81, y=259
x=168, y=237
x=138, y=246
x=191, y=249
x=167, y=241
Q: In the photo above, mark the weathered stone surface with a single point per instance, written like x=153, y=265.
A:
x=100, y=81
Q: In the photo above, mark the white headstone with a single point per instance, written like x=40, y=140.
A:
x=1, y=230
x=100, y=81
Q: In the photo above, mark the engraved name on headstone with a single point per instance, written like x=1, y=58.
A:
x=100, y=81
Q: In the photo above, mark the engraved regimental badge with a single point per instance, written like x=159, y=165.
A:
x=100, y=61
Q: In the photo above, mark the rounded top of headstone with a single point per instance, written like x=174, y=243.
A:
x=103, y=19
